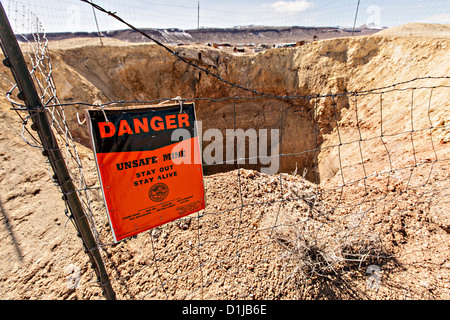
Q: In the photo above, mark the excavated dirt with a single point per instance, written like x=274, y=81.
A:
x=312, y=232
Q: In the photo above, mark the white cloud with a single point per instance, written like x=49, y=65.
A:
x=291, y=6
x=437, y=18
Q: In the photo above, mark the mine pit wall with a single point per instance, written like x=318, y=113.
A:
x=148, y=72
x=294, y=127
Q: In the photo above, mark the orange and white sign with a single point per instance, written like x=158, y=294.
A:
x=147, y=179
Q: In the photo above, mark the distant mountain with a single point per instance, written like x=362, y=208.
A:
x=233, y=36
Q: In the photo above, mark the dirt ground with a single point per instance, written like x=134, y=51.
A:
x=379, y=234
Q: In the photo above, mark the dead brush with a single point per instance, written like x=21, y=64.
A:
x=319, y=241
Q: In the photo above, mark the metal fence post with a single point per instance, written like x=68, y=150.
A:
x=15, y=61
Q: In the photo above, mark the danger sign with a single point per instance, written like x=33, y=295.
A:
x=148, y=176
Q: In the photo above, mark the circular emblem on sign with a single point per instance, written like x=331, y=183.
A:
x=158, y=192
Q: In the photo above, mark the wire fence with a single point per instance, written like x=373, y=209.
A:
x=322, y=226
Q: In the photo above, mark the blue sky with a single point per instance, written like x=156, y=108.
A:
x=74, y=15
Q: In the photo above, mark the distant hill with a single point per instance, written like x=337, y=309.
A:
x=236, y=35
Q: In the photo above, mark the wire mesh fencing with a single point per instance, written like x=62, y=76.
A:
x=268, y=235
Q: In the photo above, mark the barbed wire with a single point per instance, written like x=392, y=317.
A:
x=16, y=105
x=115, y=16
